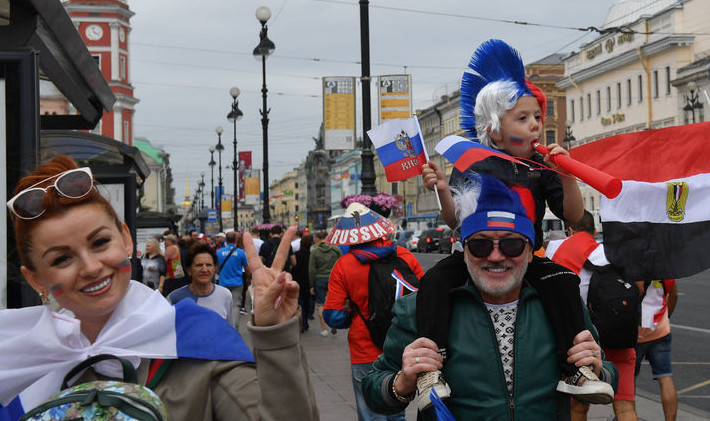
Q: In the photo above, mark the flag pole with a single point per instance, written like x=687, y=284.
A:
x=426, y=155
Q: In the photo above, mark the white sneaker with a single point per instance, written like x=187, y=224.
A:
x=324, y=333
x=586, y=387
x=427, y=381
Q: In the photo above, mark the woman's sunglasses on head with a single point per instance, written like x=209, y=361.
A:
x=73, y=184
x=482, y=247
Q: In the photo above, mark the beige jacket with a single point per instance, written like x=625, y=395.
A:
x=277, y=387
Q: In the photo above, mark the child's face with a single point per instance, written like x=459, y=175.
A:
x=519, y=127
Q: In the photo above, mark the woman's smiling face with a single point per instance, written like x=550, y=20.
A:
x=80, y=257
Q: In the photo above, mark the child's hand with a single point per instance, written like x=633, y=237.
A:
x=432, y=174
x=554, y=149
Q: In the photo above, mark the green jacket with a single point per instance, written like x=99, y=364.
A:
x=474, y=371
x=322, y=260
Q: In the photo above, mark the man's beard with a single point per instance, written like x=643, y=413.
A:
x=496, y=288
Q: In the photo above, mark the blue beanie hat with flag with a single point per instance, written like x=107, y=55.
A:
x=498, y=208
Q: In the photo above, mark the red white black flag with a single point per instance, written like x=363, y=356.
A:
x=659, y=226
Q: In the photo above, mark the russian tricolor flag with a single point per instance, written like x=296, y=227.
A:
x=499, y=219
x=402, y=284
x=463, y=152
x=400, y=147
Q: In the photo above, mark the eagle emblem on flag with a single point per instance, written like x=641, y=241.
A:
x=676, y=198
x=404, y=144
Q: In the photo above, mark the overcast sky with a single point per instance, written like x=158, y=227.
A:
x=186, y=55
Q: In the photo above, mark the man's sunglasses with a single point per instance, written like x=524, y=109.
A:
x=482, y=247
x=73, y=184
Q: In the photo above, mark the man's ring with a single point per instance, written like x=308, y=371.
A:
x=416, y=360
x=594, y=353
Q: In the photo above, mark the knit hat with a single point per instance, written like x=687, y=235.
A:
x=493, y=61
x=359, y=225
x=498, y=208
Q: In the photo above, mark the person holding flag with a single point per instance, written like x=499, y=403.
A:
x=400, y=147
x=504, y=113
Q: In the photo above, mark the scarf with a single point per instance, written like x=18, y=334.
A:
x=374, y=250
x=39, y=346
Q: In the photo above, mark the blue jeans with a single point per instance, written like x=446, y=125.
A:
x=363, y=412
x=658, y=354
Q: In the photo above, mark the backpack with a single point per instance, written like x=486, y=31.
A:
x=614, y=306
x=389, y=279
x=102, y=400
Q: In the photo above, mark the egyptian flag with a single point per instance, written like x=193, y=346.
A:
x=659, y=225
x=400, y=147
x=463, y=153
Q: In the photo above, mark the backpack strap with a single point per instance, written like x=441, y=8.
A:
x=226, y=258
x=157, y=371
x=129, y=372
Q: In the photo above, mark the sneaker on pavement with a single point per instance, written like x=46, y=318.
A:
x=427, y=381
x=586, y=387
x=323, y=333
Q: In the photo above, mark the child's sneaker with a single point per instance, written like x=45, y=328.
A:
x=586, y=387
x=323, y=333
x=427, y=381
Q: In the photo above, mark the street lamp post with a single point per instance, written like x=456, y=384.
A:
x=219, y=148
x=368, y=166
x=263, y=50
x=233, y=116
x=212, y=164
x=202, y=190
x=691, y=100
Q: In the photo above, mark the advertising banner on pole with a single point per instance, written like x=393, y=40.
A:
x=339, y=112
x=395, y=96
x=251, y=187
x=244, y=166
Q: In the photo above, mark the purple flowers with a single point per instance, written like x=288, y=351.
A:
x=381, y=203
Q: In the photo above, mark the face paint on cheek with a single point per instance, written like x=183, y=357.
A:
x=56, y=290
x=516, y=141
x=124, y=266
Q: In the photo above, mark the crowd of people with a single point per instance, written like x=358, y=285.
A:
x=492, y=332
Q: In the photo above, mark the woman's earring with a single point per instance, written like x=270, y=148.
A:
x=44, y=297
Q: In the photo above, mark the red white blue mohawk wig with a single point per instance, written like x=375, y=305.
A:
x=499, y=67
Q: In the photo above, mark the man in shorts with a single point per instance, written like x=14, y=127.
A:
x=654, y=341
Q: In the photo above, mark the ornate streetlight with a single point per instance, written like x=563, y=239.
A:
x=202, y=190
x=263, y=50
x=233, y=116
x=219, y=148
x=569, y=137
x=691, y=100
x=212, y=164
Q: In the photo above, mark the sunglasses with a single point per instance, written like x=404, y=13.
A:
x=73, y=184
x=482, y=247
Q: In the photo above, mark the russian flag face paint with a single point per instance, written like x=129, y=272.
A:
x=516, y=141
x=56, y=290
x=124, y=266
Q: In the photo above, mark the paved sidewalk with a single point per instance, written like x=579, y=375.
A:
x=329, y=362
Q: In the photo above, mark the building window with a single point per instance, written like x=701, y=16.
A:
x=581, y=109
x=126, y=138
x=655, y=83
x=550, y=108
x=618, y=95
x=608, y=98
x=122, y=68
x=599, y=102
x=668, y=80
x=628, y=92
x=549, y=137
x=589, y=105
x=640, y=84
x=97, y=59
x=571, y=110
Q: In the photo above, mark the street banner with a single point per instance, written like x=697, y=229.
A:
x=400, y=147
x=339, y=112
x=251, y=188
x=395, y=96
x=659, y=225
x=244, y=166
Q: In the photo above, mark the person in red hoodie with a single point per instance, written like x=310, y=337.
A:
x=365, y=231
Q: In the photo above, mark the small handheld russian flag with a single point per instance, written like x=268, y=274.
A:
x=400, y=147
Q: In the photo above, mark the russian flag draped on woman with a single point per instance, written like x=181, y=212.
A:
x=144, y=325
